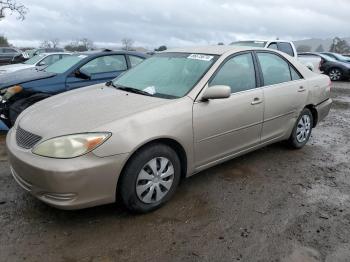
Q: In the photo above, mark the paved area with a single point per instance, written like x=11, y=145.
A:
x=274, y=204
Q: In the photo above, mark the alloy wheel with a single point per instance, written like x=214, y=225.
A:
x=335, y=74
x=303, y=128
x=155, y=180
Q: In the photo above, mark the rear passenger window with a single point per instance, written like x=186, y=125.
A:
x=275, y=69
x=286, y=48
x=238, y=73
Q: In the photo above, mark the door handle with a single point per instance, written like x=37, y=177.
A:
x=301, y=89
x=256, y=101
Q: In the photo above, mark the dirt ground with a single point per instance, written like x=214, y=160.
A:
x=274, y=204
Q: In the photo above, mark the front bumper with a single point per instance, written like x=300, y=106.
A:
x=76, y=183
x=323, y=109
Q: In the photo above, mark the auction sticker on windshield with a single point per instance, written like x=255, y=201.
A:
x=201, y=57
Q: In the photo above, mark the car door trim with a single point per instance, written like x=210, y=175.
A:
x=229, y=132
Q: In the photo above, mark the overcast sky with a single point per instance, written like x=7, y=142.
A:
x=177, y=22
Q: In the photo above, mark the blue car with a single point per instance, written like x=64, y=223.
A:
x=21, y=89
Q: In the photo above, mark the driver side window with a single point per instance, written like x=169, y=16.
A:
x=238, y=73
x=105, y=64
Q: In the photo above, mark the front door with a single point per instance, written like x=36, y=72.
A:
x=101, y=69
x=224, y=127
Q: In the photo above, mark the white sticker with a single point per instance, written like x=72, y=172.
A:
x=201, y=57
x=82, y=56
x=151, y=90
x=259, y=42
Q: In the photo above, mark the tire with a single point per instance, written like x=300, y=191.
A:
x=335, y=74
x=140, y=190
x=302, y=129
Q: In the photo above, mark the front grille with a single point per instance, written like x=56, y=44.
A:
x=26, y=139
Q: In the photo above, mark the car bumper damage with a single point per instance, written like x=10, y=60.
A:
x=76, y=183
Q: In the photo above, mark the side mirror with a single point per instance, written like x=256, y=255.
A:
x=42, y=63
x=217, y=92
x=82, y=74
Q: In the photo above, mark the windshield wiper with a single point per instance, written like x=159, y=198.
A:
x=130, y=89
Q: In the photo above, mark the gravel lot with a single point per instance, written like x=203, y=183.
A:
x=274, y=204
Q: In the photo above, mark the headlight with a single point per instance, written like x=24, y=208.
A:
x=11, y=91
x=71, y=145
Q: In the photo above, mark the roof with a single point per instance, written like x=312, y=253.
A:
x=107, y=51
x=56, y=53
x=214, y=50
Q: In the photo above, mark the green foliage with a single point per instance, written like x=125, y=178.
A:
x=339, y=46
x=320, y=48
x=4, y=42
x=161, y=48
x=303, y=48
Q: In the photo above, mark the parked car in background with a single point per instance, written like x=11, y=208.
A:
x=335, y=69
x=176, y=114
x=337, y=57
x=19, y=90
x=39, y=61
x=280, y=45
x=10, y=55
x=34, y=52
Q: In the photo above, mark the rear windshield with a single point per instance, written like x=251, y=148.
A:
x=64, y=64
x=250, y=43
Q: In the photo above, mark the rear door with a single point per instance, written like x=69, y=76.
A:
x=101, y=69
x=223, y=127
x=284, y=94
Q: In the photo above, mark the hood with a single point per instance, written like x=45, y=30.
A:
x=23, y=76
x=14, y=67
x=84, y=110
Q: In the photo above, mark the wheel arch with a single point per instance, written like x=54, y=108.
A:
x=172, y=143
x=314, y=113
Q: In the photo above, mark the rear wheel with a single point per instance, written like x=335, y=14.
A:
x=150, y=178
x=302, y=129
x=335, y=74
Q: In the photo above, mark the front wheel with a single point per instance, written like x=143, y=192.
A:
x=335, y=74
x=150, y=178
x=302, y=129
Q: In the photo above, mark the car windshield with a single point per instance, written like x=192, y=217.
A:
x=34, y=59
x=167, y=75
x=250, y=43
x=64, y=64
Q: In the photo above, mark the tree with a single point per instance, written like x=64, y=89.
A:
x=303, y=48
x=320, y=48
x=80, y=45
x=87, y=43
x=127, y=43
x=4, y=42
x=53, y=43
x=161, y=48
x=220, y=43
x=13, y=7
x=339, y=46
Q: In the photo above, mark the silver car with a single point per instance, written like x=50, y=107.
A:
x=174, y=115
x=40, y=61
